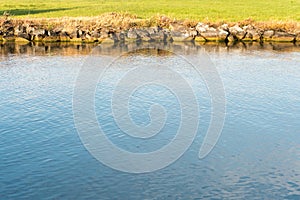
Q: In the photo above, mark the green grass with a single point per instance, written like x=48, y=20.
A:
x=203, y=10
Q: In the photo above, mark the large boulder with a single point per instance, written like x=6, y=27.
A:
x=211, y=33
x=178, y=36
x=181, y=33
x=252, y=34
x=237, y=32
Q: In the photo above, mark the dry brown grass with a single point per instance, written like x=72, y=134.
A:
x=123, y=21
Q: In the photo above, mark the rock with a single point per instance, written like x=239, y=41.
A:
x=267, y=35
x=283, y=37
x=21, y=40
x=167, y=35
x=180, y=33
x=252, y=35
x=103, y=35
x=200, y=39
x=37, y=38
x=231, y=38
x=64, y=38
x=8, y=39
x=76, y=40
x=212, y=34
x=68, y=31
x=143, y=35
x=37, y=32
x=107, y=41
x=224, y=27
x=159, y=36
x=222, y=36
x=193, y=33
x=51, y=39
x=122, y=36
x=131, y=34
x=178, y=36
x=8, y=28
x=24, y=35
x=72, y=34
x=96, y=34
x=151, y=30
x=115, y=37
x=202, y=27
x=79, y=33
x=237, y=32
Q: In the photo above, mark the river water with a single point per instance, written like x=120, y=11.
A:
x=256, y=157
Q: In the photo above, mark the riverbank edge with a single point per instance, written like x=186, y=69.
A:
x=120, y=28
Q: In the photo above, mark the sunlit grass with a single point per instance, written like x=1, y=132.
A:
x=202, y=10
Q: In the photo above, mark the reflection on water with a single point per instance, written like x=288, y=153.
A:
x=69, y=49
x=257, y=156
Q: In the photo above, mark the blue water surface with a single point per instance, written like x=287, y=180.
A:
x=256, y=157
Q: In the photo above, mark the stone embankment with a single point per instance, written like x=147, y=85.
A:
x=175, y=31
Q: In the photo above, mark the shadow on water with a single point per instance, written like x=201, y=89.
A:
x=72, y=49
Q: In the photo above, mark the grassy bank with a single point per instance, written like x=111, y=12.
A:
x=201, y=10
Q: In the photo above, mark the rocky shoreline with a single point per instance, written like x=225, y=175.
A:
x=165, y=30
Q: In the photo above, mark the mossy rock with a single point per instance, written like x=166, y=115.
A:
x=64, y=39
x=76, y=40
x=51, y=39
x=21, y=40
x=37, y=39
x=200, y=39
x=9, y=39
x=90, y=40
x=215, y=39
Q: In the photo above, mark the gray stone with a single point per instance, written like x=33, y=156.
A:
x=131, y=34
x=158, y=36
x=151, y=30
x=252, y=34
x=213, y=34
x=202, y=27
x=267, y=35
x=103, y=34
x=115, y=37
x=178, y=36
x=237, y=32
x=143, y=34
x=224, y=27
x=96, y=34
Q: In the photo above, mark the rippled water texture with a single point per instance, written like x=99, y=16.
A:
x=257, y=156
